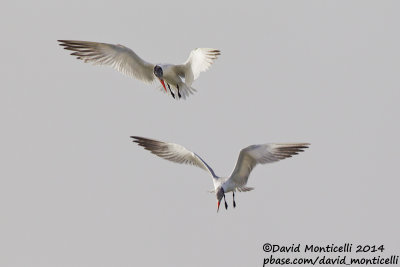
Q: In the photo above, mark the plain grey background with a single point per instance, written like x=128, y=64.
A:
x=74, y=190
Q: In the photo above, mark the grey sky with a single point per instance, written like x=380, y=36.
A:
x=74, y=190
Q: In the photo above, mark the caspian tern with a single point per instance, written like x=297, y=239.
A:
x=249, y=157
x=128, y=62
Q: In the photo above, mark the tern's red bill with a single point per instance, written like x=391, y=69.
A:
x=163, y=84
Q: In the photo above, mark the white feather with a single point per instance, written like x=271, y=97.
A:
x=119, y=57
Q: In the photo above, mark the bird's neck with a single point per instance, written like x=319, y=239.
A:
x=219, y=181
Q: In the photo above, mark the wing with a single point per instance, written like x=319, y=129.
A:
x=250, y=156
x=200, y=59
x=119, y=57
x=173, y=152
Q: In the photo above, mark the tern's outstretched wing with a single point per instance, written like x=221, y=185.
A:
x=173, y=152
x=119, y=57
x=200, y=59
x=250, y=156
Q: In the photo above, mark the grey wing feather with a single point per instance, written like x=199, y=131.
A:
x=173, y=152
x=199, y=60
x=119, y=57
x=250, y=156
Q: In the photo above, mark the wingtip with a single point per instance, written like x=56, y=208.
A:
x=135, y=138
x=143, y=141
x=217, y=52
x=305, y=145
x=288, y=150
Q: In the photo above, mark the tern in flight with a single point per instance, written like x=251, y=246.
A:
x=178, y=77
x=249, y=157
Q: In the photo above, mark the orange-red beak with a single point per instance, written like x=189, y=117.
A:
x=163, y=84
x=218, y=206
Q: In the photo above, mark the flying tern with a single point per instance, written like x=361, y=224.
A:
x=249, y=157
x=178, y=77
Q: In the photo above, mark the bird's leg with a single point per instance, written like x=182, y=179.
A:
x=173, y=95
x=234, y=203
x=226, y=204
x=179, y=94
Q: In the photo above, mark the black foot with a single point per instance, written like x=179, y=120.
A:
x=173, y=95
x=179, y=94
x=234, y=204
x=226, y=204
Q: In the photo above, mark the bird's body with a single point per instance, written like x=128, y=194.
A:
x=173, y=76
x=249, y=157
x=178, y=78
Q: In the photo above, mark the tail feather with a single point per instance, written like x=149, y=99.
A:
x=184, y=90
x=239, y=189
x=244, y=189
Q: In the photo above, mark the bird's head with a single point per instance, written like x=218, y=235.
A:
x=158, y=71
x=219, y=193
x=159, y=74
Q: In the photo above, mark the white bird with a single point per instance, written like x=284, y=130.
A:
x=249, y=157
x=179, y=77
